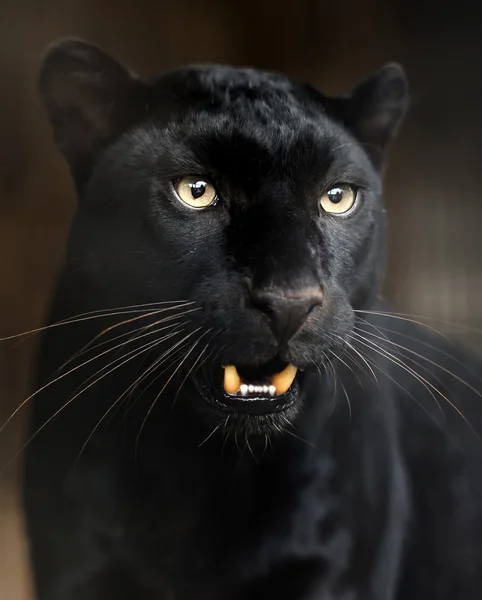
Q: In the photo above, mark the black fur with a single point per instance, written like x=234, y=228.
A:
x=358, y=486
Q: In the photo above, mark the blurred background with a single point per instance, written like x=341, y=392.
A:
x=432, y=186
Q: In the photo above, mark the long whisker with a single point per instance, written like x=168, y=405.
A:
x=95, y=314
x=237, y=443
x=422, y=379
x=347, y=366
x=71, y=322
x=69, y=372
x=194, y=364
x=396, y=348
x=213, y=358
x=328, y=362
x=168, y=355
x=372, y=326
x=402, y=317
x=266, y=443
x=297, y=437
x=347, y=398
x=138, y=352
x=225, y=428
x=88, y=346
x=178, y=347
x=403, y=355
x=398, y=362
x=435, y=320
x=145, y=328
x=340, y=380
x=108, y=367
x=399, y=385
x=337, y=357
x=352, y=347
x=210, y=435
x=164, y=387
x=462, y=381
x=124, y=394
x=168, y=358
x=427, y=345
x=408, y=319
x=248, y=446
x=209, y=375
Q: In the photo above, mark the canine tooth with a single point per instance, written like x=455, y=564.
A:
x=265, y=389
x=244, y=389
x=232, y=381
x=251, y=388
x=272, y=390
x=282, y=381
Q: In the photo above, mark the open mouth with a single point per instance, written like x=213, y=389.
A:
x=245, y=383
x=271, y=387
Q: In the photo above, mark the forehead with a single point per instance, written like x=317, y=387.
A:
x=239, y=121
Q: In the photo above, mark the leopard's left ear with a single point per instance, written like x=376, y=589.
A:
x=374, y=110
x=90, y=99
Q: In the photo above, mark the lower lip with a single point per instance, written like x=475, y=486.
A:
x=248, y=404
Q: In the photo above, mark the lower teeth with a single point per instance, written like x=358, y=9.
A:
x=257, y=389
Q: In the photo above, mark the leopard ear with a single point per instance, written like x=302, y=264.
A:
x=90, y=98
x=374, y=110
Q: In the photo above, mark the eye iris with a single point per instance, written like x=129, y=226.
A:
x=198, y=189
x=335, y=195
x=338, y=200
x=195, y=191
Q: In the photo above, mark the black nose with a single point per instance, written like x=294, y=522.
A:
x=287, y=310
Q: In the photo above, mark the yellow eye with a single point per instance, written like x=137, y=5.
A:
x=195, y=191
x=338, y=200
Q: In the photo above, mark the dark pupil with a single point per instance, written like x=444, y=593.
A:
x=198, y=189
x=335, y=195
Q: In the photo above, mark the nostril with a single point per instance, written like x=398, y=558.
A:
x=262, y=302
x=287, y=310
x=311, y=297
x=316, y=294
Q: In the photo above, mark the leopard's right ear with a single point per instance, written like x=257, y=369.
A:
x=374, y=110
x=90, y=98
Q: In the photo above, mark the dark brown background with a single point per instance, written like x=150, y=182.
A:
x=432, y=189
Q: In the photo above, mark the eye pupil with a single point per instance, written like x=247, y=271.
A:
x=335, y=195
x=198, y=189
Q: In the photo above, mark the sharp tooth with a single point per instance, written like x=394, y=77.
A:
x=265, y=389
x=232, y=380
x=282, y=381
x=244, y=389
x=251, y=388
x=272, y=390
